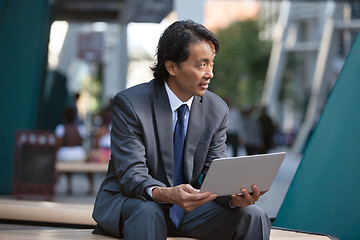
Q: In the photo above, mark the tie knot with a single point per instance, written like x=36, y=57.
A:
x=181, y=111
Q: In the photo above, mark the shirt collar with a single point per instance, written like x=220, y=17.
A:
x=175, y=102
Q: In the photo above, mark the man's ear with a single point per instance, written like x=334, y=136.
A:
x=170, y=67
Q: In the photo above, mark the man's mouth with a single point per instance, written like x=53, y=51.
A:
x=204, y=85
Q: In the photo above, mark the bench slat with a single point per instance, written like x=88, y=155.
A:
x=80, y=167
x=66, y=234
x=43, y=211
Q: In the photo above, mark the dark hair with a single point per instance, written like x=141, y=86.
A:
x=174, y=44
x=69, y=115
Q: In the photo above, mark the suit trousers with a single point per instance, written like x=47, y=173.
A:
x=149, y=220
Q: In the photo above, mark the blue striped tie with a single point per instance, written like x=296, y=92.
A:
x=176, y=212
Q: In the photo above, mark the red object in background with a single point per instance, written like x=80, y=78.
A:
x=34, y=164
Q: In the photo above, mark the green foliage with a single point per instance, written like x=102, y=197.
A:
x=241, y=64
x=93, y=86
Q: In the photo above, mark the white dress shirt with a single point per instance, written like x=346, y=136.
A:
x=175, y=103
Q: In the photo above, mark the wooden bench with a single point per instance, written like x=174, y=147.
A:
x=75, y=216
x=44, y=212
x=66, y=234
x=88, y=168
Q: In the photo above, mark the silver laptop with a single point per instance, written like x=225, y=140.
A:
x=228, y=176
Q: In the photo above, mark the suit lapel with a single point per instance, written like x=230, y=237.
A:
x=163, y=117
x=194, y=131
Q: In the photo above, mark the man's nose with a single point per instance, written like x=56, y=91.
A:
x=209, y=72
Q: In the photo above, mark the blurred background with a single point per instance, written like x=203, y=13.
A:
x=277, y=64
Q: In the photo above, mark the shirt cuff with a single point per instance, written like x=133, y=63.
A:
x=231, y=206
x=149, y=190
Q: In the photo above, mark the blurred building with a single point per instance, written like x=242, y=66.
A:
x=31, y=93
x=310, y=42
x=220, y=14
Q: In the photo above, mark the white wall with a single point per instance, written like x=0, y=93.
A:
x=190, y=9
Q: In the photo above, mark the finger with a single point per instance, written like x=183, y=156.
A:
x=247, y=199
x=188, y=188
x=191, y=205
x=256, y=193
x=238, y=200
x=193, y=194
x=202, y=201
x=201, y=195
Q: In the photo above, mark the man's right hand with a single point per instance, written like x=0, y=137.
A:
x=184, y=195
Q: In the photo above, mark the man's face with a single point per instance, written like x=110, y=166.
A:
x=192, y=77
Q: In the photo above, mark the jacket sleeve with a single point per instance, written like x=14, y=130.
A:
x=217, y=149
x=128, y=150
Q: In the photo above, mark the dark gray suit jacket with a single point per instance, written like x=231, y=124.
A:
x=142, y=146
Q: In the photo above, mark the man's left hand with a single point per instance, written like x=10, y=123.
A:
x=245, y=198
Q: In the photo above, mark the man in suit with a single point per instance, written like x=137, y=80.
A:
x=147, y=194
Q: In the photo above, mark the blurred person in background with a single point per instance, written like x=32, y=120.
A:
x=267, y=129
x=254, y=139
x=70, y=135
x=236, y=134
x=101, y=151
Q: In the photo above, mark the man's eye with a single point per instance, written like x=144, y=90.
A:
x=203, y=64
